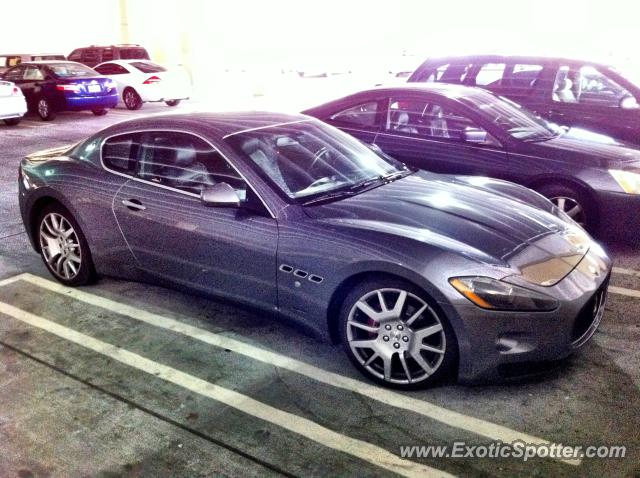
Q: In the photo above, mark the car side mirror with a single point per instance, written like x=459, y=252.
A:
x=220, y=195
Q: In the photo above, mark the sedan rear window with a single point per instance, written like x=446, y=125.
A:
x=148, y=67
x=71, y=70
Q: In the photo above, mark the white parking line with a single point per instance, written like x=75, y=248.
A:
x=448, y=417
x=360, y=449
x=622, y=291
x=628, y=272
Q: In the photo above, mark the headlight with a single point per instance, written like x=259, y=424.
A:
x=628, y=181
x=497, y=295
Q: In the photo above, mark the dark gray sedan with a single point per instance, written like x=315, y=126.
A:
x=419, y=275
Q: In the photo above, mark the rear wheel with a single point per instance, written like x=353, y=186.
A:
x=131, y=99
x=572, y=202
x=12, y=121
x=100, y=111
x=395, y=336
x=63, y=247
x=172, y=102
x=45, y=110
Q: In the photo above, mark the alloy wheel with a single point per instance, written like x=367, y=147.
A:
x=396, y=336
x=60, y=246
x=43, y=108
x=572, y=208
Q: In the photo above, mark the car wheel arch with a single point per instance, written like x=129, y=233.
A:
x=570, y=182
x=44, y=200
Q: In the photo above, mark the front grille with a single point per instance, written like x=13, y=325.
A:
x=590, y=316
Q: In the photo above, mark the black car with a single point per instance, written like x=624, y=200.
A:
x=459, y=130
x=94, y=55
x=52, y=86
x=568, y=92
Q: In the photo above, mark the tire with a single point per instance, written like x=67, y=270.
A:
x=397, y=335
x=45, y=110
x=173, y=102
x=70, y=263
x=12, y=121
x=567, y=198
x=131, y=99
x=100, y=111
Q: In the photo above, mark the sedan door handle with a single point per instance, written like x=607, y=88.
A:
x=134, y=204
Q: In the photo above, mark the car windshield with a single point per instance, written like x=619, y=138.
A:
x=309, y=160
x=514, y=120
x=71, y=70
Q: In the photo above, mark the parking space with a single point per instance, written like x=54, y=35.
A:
x=128, y=379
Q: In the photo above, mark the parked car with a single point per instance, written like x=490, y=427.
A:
x=459, y=130
x=12, y=59
x=141, y=81
x=569, y=92
x=288, y=214
x=53, y=86
x=12, y=103
x=94, y=55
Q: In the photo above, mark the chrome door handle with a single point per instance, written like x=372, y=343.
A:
x=134, y=204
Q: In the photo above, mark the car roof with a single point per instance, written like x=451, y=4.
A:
x=221, y=124
x=48, y=62
x=511, y=58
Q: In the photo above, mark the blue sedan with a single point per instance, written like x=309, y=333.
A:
x=53, y=86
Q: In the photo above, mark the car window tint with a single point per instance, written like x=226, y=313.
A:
x=455, y=72
x=70, y=70
x=75, y=55
x=90, y=54
x=15, y=74
x=120, y=153
x=426, y=119
x=33, y=73
x=490, y=74
x=185, y=162
x=133, y=54
x=521, y=76
x=588, y=85
x=111, y=69
x=361, y=115
x=107, y=54
x=148, y=67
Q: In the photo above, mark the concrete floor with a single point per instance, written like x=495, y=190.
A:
x=69, y=410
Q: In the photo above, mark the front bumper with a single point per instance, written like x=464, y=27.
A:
x=619, y=215
x=504, y=344
x=12, y=107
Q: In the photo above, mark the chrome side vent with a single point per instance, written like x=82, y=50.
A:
x=300, y=273
x=315, y=279
x=286, y=268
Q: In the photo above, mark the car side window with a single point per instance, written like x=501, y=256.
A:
x=107, y=54
x=76, y=55
x=429, y=120
x=185, y=162
x=363, y=114
x=588, y=85
x=91, y=55
x=521, y=77
x=33, y=73
x=490, y=74
x=120, y=153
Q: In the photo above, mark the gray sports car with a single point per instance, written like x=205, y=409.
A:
x=419, y=275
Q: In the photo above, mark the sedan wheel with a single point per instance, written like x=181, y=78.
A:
x=572, y=208
x=44, y=110
x=131, y=99
x=63, y=247
x=395, y=337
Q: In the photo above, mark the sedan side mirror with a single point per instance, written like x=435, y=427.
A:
x=220, y=195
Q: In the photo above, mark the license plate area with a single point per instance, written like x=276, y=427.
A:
x=93, y=88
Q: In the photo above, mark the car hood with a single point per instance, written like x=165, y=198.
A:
x=579, y=143
x=450, y=213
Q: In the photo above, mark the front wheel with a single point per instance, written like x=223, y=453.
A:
x=572, y=202
x=172, y=102
x=100, y=111
x=395, y=336
x=63, y=247
x=12, y=121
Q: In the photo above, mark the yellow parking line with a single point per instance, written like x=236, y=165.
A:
x=360, y=449
x=448, y=417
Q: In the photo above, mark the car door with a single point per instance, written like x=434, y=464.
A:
x=361, y=120
x=590, y=97
x=172, y=234
x=430, y=134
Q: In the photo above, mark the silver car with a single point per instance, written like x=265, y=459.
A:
x=419, y=275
